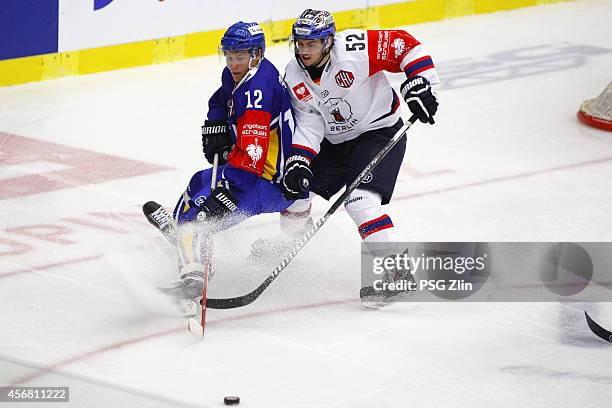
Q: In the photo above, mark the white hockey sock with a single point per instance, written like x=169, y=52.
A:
x=293, y=220
x=365, y=209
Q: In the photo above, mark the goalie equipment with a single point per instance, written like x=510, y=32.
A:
x=597, y=112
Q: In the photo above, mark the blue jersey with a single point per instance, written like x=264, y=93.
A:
x=259, y=114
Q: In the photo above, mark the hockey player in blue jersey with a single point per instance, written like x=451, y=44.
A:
x=249, y=128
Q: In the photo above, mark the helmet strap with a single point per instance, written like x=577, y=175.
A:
x=254, y=55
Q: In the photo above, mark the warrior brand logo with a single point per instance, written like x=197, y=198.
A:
x=399, y=46
x=367, y=179
x=255, y=152
x=302, y=92
x=339, y=109
x=226, y=201
x=209, y=130
x=345, y=79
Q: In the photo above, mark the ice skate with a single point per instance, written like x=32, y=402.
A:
x=187, y=291
x=373, y=299
x=160, y=219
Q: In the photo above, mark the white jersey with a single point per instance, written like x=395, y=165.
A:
x=353, y=95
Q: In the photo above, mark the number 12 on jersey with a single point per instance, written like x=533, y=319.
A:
x=258, y=97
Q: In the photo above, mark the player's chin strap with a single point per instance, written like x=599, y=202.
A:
x=254, y=57
x=244, y=300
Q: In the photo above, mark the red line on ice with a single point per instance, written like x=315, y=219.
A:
x=114, y=346
x=49, y=266
x=182, y=329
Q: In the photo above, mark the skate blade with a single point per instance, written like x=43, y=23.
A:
x=372, y=306
x=369, y=303
x=195, y=328
x=188, y=307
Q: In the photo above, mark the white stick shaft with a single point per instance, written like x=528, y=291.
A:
x=213, y=180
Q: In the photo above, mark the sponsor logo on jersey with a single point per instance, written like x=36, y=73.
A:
x=255, y=152
x=382, y=45
x=301, y=92
x=399, y=47
x=345, y=79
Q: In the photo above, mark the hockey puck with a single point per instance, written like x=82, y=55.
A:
x=231, y=400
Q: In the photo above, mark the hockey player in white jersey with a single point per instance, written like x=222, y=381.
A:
x=345, y=112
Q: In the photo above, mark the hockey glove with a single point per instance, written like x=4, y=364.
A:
x=219, y=203
x=216, y=139
x=421, y=101
x=298, y=177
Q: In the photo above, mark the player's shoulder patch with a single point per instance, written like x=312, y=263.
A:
x=301, y=92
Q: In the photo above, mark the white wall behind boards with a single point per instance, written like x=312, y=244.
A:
x=125, y=21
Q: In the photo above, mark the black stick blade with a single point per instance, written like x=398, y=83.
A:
x=597, y=329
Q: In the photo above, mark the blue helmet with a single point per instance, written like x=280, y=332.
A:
x=243, y=36
x=313, y=24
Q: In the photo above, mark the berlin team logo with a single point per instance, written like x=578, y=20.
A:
x=345, y=79
x=339, y=110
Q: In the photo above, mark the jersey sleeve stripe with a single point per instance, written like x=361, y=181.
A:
x=304, y=150
x=418, y=65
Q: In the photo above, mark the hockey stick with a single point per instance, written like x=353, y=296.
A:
x=195, y=328
x=597, y=329
x=244, y=300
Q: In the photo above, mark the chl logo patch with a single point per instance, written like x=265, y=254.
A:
x=345, y=79
x=302, y=92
